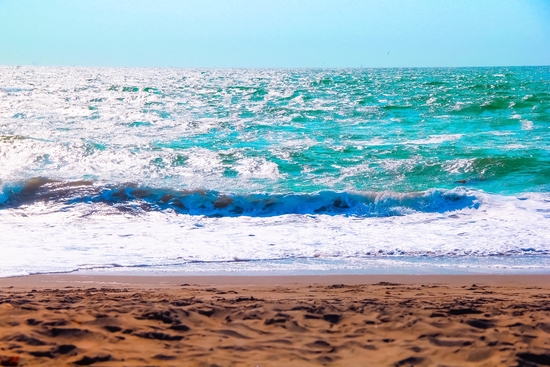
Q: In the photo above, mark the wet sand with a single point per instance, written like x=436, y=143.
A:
x=353, y=320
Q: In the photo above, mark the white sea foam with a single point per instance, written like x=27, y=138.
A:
x=463, y=165
x=526, y=125
x=435, y=139
x=259, y=168
x=92, y=235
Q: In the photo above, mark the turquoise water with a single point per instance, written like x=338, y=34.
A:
x=397, y=129
x=173, y=146
x=283, y=130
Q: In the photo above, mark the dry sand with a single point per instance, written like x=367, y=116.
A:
x=275, y=321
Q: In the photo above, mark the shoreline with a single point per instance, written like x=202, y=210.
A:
x=167, y=281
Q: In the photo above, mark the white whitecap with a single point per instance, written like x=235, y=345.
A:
x=526, y=125
x=434, y=139
x=257, y=168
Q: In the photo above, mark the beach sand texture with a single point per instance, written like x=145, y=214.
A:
x=298, y=322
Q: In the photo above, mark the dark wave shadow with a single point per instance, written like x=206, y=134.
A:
x=134, y=199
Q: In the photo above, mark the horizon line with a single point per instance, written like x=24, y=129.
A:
x=273, y=67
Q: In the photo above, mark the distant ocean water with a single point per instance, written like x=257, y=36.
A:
x=274, y=171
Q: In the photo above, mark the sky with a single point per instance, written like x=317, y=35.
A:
x=275, y=33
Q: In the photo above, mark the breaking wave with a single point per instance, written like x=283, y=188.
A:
x=135, y=198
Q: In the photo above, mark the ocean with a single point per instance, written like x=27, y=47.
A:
x=252, y=171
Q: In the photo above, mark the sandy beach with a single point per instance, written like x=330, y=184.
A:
x=355, y=320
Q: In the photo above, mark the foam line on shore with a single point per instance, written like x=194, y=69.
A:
x=160, y=281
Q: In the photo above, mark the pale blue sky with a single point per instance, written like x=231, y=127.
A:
x=275, y=33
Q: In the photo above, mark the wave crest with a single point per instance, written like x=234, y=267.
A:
x=134, y=198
